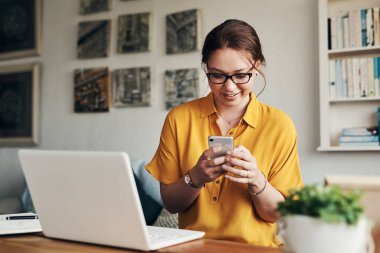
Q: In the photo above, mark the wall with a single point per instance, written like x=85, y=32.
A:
x=289, y=34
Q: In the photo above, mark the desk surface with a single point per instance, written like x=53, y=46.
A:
x=40, y=244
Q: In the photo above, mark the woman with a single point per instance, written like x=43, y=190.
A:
x=232, y=197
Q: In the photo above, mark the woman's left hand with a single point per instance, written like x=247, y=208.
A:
x=248, y=171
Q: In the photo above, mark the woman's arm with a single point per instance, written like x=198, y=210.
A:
x=179, y=196
x=264, y=196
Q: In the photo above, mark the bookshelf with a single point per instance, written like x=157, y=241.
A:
x=341, y=112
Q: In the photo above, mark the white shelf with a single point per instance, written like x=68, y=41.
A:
x=354, y=51
x=353, y=148
x=339, y=113
x=363, y=99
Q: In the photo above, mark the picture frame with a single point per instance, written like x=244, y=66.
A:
x=87, y=7
x=133, y=35
x=94, y=39
x=181, y=85
x=20, y=28
x=20, y=105
x=183, y=32
x=131, y=87
x=92, y=90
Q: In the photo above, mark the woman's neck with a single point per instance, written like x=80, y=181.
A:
x=231, y=112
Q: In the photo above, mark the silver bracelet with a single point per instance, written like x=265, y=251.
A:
x=265, y=185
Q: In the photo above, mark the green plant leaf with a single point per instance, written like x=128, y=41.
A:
x=329, y=203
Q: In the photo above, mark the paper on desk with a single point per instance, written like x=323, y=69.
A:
x=8, y=227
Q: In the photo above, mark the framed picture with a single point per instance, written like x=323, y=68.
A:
x=94, y=39
x=181, y=85
x=94, y=6
x=20, y=28
x=92, y=90
x=182, y=32
x=131, y=87
x=19, y=105
x=133, y=33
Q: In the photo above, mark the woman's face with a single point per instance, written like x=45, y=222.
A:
x=230, y=61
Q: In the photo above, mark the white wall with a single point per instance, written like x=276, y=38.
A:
x=289, y=34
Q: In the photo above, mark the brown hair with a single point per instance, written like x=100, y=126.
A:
x=235, y=34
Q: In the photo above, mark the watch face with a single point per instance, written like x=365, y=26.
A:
x=187, y=179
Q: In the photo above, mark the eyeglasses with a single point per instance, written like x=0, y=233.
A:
x=240, y=78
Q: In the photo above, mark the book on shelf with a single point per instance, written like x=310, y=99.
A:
x=360, y=131
x=359, y=144
x=369, y=138
x=378, y=119
x=364, y=26
x=354, y=29
x=354, y=77
x=376, y=25
x=369, y=26
x=332, y=82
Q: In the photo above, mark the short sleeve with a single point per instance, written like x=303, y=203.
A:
x=285, y=172
x=165, y=163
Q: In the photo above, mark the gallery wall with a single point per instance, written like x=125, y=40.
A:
x=289, y=34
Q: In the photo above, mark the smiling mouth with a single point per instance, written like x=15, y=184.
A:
x=230, y=94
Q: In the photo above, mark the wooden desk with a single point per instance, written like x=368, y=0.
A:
x=40, y=244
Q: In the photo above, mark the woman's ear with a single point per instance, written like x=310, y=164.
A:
x=257, y=66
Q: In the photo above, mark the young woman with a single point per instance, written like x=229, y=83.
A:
x=232, y=197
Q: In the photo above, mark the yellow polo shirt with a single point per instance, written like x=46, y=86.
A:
x=224, y=209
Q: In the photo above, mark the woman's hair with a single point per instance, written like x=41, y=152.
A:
x=235, y=34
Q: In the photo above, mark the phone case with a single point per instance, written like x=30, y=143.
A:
x=227, y=143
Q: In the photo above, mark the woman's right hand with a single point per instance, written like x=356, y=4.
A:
x=208, y=168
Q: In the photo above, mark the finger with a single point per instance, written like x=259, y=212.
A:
x=242, y=154
x=240, y=163
x=242, y=148
x=238, y=172
x=240, y=180
x=210, y=153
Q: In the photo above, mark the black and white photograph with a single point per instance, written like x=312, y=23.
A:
x=131, y=87
x=92, y=90
x=182, y=32
x=181, y=85
x=133, y=33
x=19, y=105
x=20, y=28
x=94, y=39
x=94, y=6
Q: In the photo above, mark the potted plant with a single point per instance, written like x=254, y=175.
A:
x=323, y=219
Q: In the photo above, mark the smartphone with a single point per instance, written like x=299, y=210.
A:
x=226, y=142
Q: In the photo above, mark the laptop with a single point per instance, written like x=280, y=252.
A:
x=91, y=196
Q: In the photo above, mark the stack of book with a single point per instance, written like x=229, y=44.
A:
x=359, y=136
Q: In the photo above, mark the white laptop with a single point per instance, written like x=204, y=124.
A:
x=92, y=197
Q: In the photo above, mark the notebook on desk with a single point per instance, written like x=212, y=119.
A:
x=92, y=197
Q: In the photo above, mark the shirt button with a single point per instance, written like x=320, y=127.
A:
x=214, y=198
x=217, y=181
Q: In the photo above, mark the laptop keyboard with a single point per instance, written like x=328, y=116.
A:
x=159, y=234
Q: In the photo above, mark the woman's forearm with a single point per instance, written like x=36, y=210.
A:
x=266, y=203
x=178, y=196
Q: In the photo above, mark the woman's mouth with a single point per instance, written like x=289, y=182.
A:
x=230, y=95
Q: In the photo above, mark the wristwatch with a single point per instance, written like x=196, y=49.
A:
x=188, y=181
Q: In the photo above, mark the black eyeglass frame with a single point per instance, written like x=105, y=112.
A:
x=229, y=77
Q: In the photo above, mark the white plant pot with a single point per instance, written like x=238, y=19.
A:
x=304, y=234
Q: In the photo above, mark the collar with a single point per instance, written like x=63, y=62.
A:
x=251, y=115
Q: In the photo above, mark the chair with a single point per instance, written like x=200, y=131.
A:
x=370, y=186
